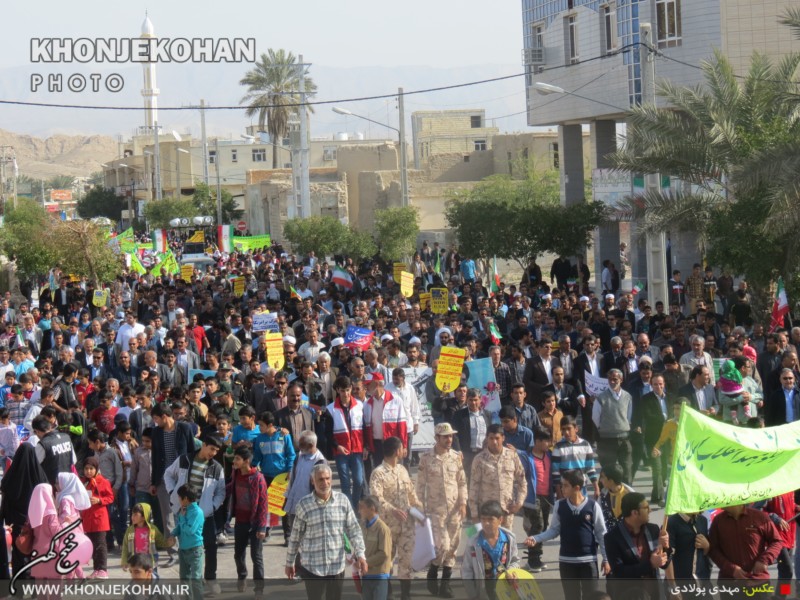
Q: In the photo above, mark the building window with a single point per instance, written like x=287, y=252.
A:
x=554, y=155
x=668, y=20
x=609, y=27
x=234, y=155
x=480, y=145
x=212, y=157
x=475, y=122
x=573, y=54
x=538, y=36
x=329, y=153
x=259, y=155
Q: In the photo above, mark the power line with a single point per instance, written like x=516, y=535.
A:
x=312, y=103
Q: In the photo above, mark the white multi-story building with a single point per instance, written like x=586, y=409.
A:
x=591, y=49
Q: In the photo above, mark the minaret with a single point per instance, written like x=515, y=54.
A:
x=150, y=91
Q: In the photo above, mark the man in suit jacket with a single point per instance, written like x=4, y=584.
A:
x=591, y=362
x=566, y=356
x=615, y=353
x=171, y=372
x=776, y=409
x=62, y=299
x=32, y=335
x=126, y=373
x=185, y=358
x=637, y=386
x=98, y=368
x=700, y=392
x=261, y=396
x=654, y=410
x=471, y=433
x=150, y=361
x=539, y=373
x=628, y=563
x=294, y=416
x=568, y=399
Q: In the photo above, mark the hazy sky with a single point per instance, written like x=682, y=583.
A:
x=440, y=33
x=442, y=36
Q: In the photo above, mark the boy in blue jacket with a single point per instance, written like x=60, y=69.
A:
x=189, y=531
x=273, y=452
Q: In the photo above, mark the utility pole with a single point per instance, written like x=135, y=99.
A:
x=157, y=159
x=656, y=245
x=219, y=182
x=403, y=150
x=205, y=140
x=305, y=183
x=177, y=172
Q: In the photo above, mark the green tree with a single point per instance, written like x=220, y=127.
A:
x=26, y=236
x=510, y=219
x=206, y=203
x=160, y=212
x=731, y=140
x=396, y=231
x=83, y=250
x=272, y=86
x=321, y=235
x=60, y=182
x=357, y=244
x=99, y=202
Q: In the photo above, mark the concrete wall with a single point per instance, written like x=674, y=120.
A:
x=748, y=26
x=461, y=166
x=445, y=131
x=354, y=160
x=271, y=204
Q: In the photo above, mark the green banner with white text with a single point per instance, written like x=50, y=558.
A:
x=716, y=464
x=251, y=242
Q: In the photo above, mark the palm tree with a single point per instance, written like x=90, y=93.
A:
x=272, y=86
x=61, y=182
x=709, y=138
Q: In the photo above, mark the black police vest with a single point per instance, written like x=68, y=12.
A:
x=57, y=455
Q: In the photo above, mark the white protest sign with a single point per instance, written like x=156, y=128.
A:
x=595, y=385
x=265, y=322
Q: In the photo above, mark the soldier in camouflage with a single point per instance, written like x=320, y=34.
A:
x=442, y=488
x=391, y=484
x=497, y=474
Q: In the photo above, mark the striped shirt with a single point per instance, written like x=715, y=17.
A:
x=568, y=456
x=318, y=534
x=197, y=473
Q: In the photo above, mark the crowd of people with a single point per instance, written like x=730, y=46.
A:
x=160, y=420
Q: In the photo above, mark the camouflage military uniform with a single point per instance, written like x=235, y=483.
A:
x=393, y=487
x=500, y=478
x=442, y=488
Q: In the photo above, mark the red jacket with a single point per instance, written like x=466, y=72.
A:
x=258, y=495
x=394, y=420
x=783, y=506
x=348, y=436
x=95, y=518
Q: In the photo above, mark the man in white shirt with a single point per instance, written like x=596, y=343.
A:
x=406, y=392
x=130, y=329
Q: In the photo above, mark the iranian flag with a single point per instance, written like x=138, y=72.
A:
x=160, y=244
x=495, y=284
x=225, y=238
x=342, y=278
x=780, y=308
x=637, y=288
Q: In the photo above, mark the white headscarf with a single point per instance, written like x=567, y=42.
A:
x=69, y=486
x=441, y=330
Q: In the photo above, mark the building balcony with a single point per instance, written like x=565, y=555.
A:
x=533, y=56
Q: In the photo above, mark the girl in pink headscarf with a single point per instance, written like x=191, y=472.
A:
x=72, y=498
x=44, y=520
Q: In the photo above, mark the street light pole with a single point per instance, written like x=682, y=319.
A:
x=403, y=150
x=401, y=137
x=219, y=182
